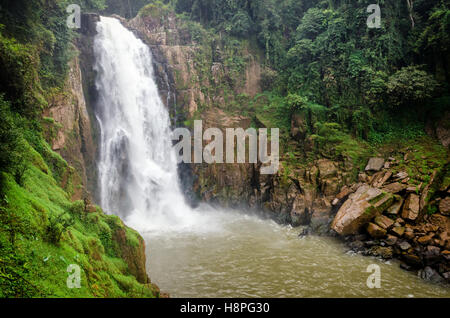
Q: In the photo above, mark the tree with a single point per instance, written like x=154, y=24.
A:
x=410, y=86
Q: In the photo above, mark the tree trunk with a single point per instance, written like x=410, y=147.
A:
x=410, y=4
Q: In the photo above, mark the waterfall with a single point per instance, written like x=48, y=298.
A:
x=138, y=176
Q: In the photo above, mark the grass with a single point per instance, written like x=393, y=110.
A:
x=33, y=266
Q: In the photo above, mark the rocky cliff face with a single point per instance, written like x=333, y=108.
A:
x=70, y=132
x=198, y=83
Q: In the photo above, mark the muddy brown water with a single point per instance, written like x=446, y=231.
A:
x=235, y=255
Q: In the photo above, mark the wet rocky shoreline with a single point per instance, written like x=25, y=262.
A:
x=384, y=215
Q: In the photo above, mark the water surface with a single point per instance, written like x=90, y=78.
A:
x=244, y=256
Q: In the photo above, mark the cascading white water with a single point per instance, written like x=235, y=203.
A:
x=137, y=167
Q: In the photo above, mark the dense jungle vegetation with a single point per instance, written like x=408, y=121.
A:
x=323, y=59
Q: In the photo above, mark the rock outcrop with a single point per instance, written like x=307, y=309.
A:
x=69, y=131
x=361, y=207
x=388, y=217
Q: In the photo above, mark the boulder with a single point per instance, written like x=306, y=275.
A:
x=391, y=240
x=412, y=260
x=403, y=245
x=400, y=221
x=327, y=168
x=362, y=177
x=444, y=238
x=383, y=222
x=426, y=193
x=444, y=206
x=411, y=189
x=400, y=176
x=425, y=240
x=411, y=207
x=396, y=207
x=431, y=255
x=360, y=208
x=409, y=235
x=375, y=164
x=431, y=275
x=398, y=230
x=395, y=187
x=376, y=231
x=345, y=192
x=381, y=178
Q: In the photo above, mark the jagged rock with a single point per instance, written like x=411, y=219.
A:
x=404, y=245
x=446, y=276
x=412, y=260
x=432, y=255
x=411, y=189
x=380, y=251
x=425, y=196
x=425, y=240
x=441, y=221
x=444, y=239
x=376, y=231
x=327, y=168
x=380, y=178
x=396, y=207
x=400, y=176
x=409, y=235
x=411, y=208
x=391, y=240
x=371, y=243
x=398, y=230
x=361, y=207
x=346, y=191
x=375, y=164
x=431, y=275
x=395, y=187
x=376, y=179
x=362, y=177
x=400, y=221
x=384, y=222
x=440, y=129
x=444, y=206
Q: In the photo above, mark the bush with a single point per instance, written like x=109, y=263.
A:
x=57, y=226
x=410, y=86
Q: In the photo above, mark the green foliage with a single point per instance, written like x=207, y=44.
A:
x=332, y=142
x=410, y=86
x=57, y=225
x=19, y=79
x=155, y=9
x=9, y=138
